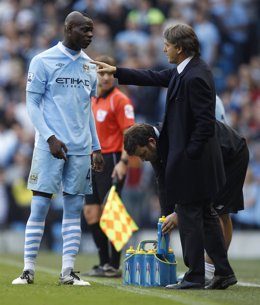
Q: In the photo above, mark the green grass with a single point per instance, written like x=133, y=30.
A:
x=46, y=291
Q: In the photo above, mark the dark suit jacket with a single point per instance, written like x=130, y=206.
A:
x=231, y=142
x=194, y=170
x=235, y=156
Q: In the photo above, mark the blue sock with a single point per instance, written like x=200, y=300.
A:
x=71, y=231
x=34, y=230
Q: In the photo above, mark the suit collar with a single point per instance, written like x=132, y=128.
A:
x=193, y=62
x=157, y=132
x=183, y=64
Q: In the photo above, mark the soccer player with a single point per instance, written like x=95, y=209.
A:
x=61, y=82
x=114, y=113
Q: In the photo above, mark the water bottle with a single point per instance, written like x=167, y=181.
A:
x=157, y=273
x=163, y=239
x=129, y=266
x=150, y=267
x=172, y=267
x=170, y=256
x=140, y=267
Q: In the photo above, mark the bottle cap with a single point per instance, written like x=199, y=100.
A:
x=130, y=250
x=141, y=251
x=170, y=250
x=151, y=251
x=162, y=219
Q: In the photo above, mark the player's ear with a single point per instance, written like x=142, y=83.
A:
x=179, y=50
x=68, y=28
x=152, y=141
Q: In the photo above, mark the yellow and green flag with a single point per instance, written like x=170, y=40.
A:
x=115, y=221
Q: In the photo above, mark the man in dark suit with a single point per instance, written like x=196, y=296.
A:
x=194, y=170
x=142, y=140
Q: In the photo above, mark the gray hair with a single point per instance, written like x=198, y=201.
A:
x=183, y=36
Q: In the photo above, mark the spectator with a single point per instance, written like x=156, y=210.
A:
x=17, y=48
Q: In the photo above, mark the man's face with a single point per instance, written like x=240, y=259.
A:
x=105, y=81
x=81, y=33
x=172, y=52
x=148, y=152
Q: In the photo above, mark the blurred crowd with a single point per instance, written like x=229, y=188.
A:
x=130, y=31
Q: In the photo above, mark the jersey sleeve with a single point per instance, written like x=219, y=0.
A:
x=94, y=136
x=33, y=101
x=94, y=89
x=37, y=79
x=124, y=111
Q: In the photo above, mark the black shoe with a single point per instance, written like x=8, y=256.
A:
x=103, y=271
x=185, y=285
x=222, y=282
x=112, y=272
x=96, y=271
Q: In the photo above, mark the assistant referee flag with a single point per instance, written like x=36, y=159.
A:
x=115, y=221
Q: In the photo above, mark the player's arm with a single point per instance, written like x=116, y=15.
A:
x=57, y=148
x=93, y=131
x=35, y=90
x=33, y=101
x=97, y=158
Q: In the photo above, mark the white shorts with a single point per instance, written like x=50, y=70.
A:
x=48, y=174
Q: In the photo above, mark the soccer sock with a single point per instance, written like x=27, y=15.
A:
x=101, y=243
x=71, y=231
x=34, y=230
x=209, y=271
x=115, y=257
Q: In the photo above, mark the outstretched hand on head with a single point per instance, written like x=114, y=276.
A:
x=103, y=67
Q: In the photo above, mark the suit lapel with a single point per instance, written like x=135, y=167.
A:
x=175, y=86
x=171, y=85
x=175, y=81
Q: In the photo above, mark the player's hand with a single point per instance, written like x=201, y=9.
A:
x=97, y=161
x=103, y=67
x=169, y=223
x=57, y=148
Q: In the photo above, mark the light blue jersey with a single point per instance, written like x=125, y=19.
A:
x=220, y=111
x=59, y=90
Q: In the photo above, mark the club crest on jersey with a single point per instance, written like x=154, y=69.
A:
x=30, y=77
x=86, y=68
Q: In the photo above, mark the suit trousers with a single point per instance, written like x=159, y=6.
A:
x=200, y=229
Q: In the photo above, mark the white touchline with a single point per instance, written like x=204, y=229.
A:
x=133, y=289
x=248, y=284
